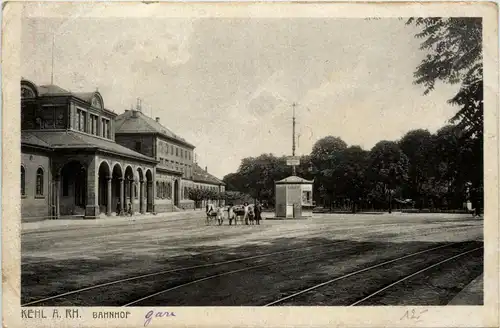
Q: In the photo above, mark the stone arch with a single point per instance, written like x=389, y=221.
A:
x=117, y=175
x=73, y=193
x=176, y=192
x=129, y=188
x=140, y=192
x=104, y=189
x=149, y=191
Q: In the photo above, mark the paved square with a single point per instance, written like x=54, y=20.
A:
x=189, y=263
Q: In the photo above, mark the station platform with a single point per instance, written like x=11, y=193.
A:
x=471, y=294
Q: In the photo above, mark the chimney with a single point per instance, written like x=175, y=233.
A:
x=206, y=169
x=158, y=119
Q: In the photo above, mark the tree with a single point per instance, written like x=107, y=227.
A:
x=350, y=174
x=417, y=146
x=196, y=195
x=325, y=158
x=387, y=170
x=454, y=55
x=256, y=176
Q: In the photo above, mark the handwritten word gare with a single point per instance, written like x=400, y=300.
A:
x=110, y=314
x=151, y=314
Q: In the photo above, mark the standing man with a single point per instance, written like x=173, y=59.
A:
x=258, y=211
x=245, y=216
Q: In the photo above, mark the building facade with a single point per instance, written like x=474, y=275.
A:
x=80, y=159
x=176, y=170
x=70, y=162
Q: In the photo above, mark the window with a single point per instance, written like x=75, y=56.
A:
x=93, y=125
x=182, y=152
x=39, y=182
x=166, y=149
x=136, y=194
x=176, y=151
x=81, y=123
x=189, y=155
x=157, y=189
x=105, y=126
x=138, y=146
x=23, y=181
x=172, y=149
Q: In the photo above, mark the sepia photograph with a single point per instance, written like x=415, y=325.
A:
x=250, y=161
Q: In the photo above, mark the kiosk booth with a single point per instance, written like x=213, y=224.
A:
x=294, y=198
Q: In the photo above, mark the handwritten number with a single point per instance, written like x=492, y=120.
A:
x=413, y=314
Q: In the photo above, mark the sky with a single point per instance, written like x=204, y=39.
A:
x=227, y=85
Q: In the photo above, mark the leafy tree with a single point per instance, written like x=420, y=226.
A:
x=417, y=146
x=387, y=170
x=196, y=195
x=350, y=174
x=325, y=158
x=454, y=55
x=256, y=176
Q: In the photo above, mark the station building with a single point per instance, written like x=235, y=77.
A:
x=176, y=170
x=78, y=158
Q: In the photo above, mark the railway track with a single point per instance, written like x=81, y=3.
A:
x=288, y=300
x=180, y=269
x=158, y=297
x=191, y=275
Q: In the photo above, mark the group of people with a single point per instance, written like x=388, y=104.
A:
x=250, y=214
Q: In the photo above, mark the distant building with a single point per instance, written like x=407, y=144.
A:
x=71, y=164
x=176, y=170
x=204, y=180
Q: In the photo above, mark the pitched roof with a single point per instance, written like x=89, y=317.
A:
x=86, y=96
x=51, y=90
x=133, y=121
x=200, y=175
x=75, y=140
x=55, y=90
x=294, y=179
x=30, y=139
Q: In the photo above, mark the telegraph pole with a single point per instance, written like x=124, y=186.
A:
x=52, y=71
x=293, y=136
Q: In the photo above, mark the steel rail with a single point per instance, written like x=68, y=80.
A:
x=353, y=273
x=176, y=270
x=414, y=274
x=269, y=264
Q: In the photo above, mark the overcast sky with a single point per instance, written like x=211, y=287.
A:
x=227, y=85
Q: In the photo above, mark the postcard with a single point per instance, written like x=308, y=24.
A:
x=299, y=164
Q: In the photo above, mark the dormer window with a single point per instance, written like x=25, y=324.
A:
x=27, y=93
x=96, y=102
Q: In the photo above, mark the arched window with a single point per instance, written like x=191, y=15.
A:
x=169, y=190
x=164, y=190
x=39, y=182
x=23, y=181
